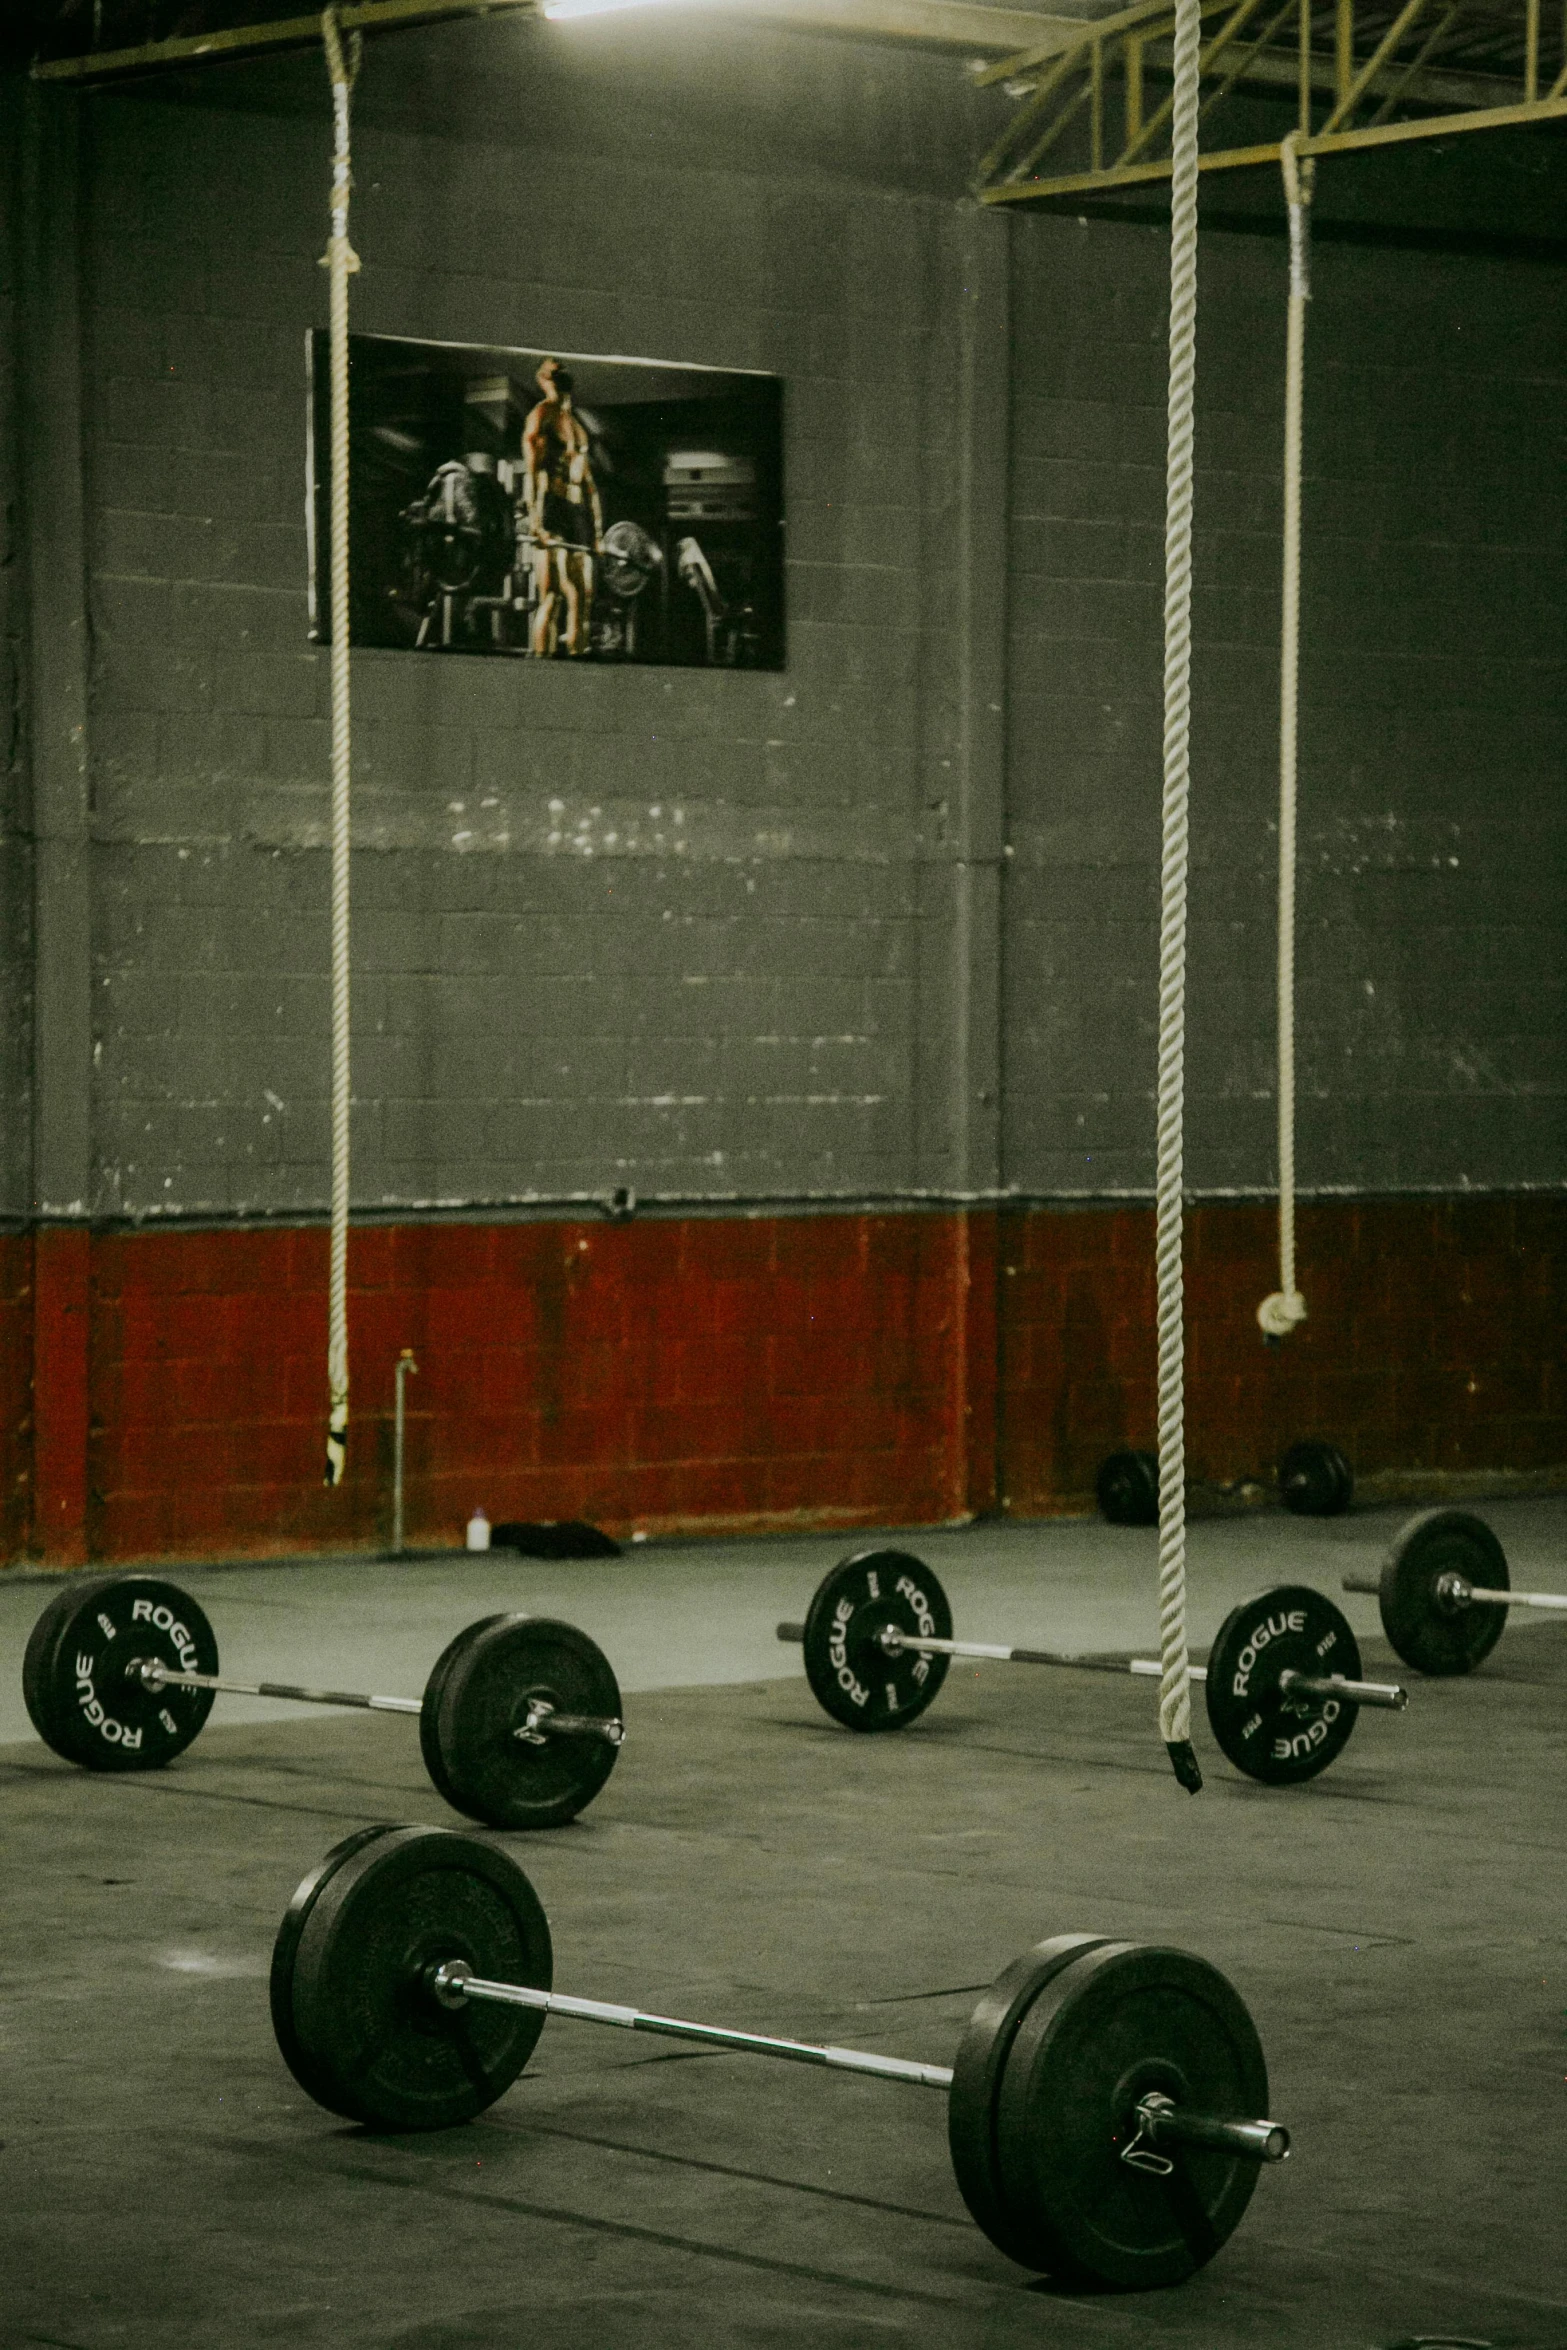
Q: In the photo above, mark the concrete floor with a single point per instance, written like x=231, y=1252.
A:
x=679, y=1615
x=1396, y=1928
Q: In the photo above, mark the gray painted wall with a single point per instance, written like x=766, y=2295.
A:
x=695, y=932
x=16, y=942
x=717, y=935
x=1432, y=900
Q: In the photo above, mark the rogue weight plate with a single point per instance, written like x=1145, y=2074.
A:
x=1429, y=1627
x=478, y=1696
x=1117, y=2022
x=977, y=2074
x=74, y=1673
x=1315, y=1480
x=850, y=1673
x=357, y=2023
x=1127, y=1489
x=287, y=1943
x=1281, y=1739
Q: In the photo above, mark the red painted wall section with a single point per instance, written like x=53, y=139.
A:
x=718, y=1374
x=16, y=1393
x=1434, y=1340
x=62, y=1337
x=705, y=1372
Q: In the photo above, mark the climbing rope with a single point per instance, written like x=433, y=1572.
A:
x=341, y=261
x=1175, y=1685
x=1279, y=1313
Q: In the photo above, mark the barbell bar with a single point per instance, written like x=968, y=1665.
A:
x=1313, y=1480
x=519, y=1725
x=1444, y=1591
x=1276, y=1712
x=540, y=1720
x=1103, y=2109
x=1379, y=1693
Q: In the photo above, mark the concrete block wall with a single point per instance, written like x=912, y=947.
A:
x=15, y=808
x=664, y=927
x=1432, y=1353
x=1432, y=890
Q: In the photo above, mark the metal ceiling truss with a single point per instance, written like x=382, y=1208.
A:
x=1363, y=73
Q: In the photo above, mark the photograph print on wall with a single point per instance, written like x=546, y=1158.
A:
x=549, y=507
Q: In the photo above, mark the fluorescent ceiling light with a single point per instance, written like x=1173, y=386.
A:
x=557, y=9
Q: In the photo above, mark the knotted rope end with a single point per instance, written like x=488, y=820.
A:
x=1277, y=1315
x=336, y=1445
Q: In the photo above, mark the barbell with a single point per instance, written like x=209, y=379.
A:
x=1444, y=1592
x=1282, y=1683
x=519, y=1724
x=1099, y=2109
x=1314, y=1480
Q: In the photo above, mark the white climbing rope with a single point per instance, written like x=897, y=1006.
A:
x=1279, y=1313
x=1175, y=1696
x=341, y=261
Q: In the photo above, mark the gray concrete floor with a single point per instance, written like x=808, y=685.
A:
x=1397, y=1929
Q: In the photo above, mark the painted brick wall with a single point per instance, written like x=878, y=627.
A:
x=1432, y=1343
x=16, y=1363
x=664, y=926
x=1433, y=831
x=670, y=1373
x=708, y=1373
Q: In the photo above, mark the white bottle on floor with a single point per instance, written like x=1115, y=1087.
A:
x=478, y=1531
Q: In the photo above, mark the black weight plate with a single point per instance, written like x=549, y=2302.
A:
x=1281, y=1740
x=1428, y=1631
x=476, y=1699
x=74, y=1673
x=977, y=2073
x=357, y=2022
x=287, y=1944
x=1127, y=1489
x=1119, y=2021
x=850, y=1673
x=1315, y=1480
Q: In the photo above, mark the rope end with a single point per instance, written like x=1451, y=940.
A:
x=336, y=1446
x=1183, y=1762
x=1277, y=1315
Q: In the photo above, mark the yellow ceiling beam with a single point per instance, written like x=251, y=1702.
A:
x=1382, y=134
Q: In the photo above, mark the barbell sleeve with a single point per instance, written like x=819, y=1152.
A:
x=1519, y=1598
x=1166, y=2123
x=794, y=1632
x=1387, y=1694
x=543, y=1720
x=1369, y=1584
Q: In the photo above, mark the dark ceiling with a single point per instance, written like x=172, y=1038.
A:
x=742, y=95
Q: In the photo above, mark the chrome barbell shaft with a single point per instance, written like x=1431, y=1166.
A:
x=156, y=1676
x=1386, y=1694
x=453, y=1984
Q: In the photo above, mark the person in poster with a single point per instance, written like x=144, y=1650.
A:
x=564, y=516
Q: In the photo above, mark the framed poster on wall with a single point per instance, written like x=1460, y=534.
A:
x=544, y=506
